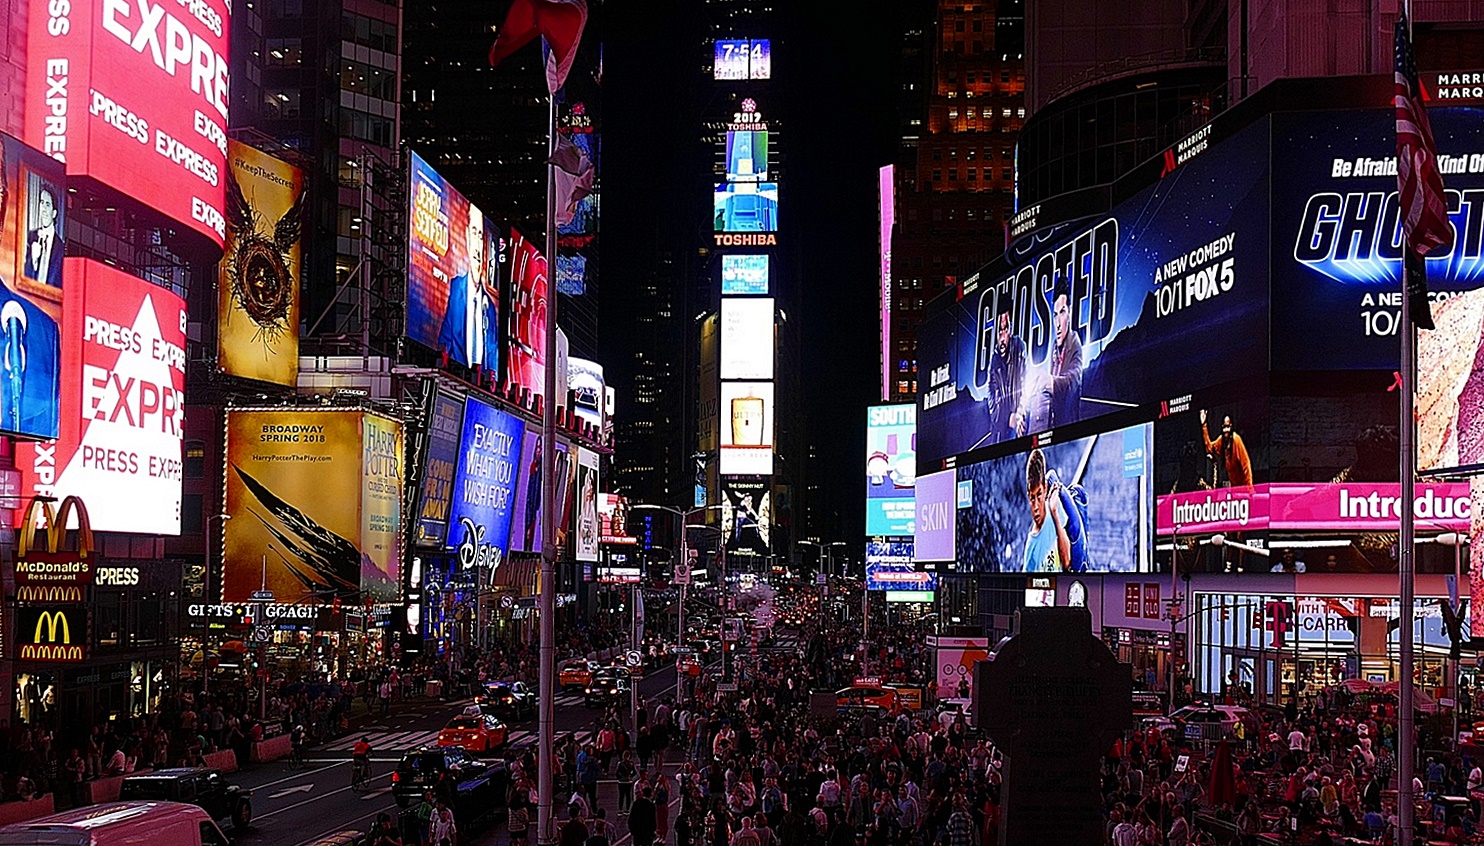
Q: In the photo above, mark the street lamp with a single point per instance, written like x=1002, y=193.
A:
x=1457, y=540
x=206, y=598
x=684, y=562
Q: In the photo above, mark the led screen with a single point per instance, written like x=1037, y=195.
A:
x=934, y=530
x=585, y=547
x=445, y=433
x=744, y=274
x=742, y=58
x=746, y=428
x=122, y=403
x=526, y=339
x=747, y=515
x=453, y=290
x=586, y=384
x=891, y=469
x=746, y=338
x=257, y=333
x=525, y=527
x=746, y=207
x=747, y=155
x=484, y=485
x=1450, y=386
x=1079, y=506
x=890, y=566
x=133, y=93
x=33, y=201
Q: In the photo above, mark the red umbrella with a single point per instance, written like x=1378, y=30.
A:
x=1223, y=783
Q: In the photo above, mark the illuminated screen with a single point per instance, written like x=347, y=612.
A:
x=891, y=469
x=122, y=403
x=526, y=339
x=453, y=290
x=33, y=201
x=484, y=484
x=744, y=275
x=746, y=428
x=586, y=384
x=747, y=515
x=743, y=58
x=1450, y=386
x=747, y=155
x=445, y=433
x=890, y=566
x=746, y=207
x=585, y=516
x=934, y=531
x=1088, y=508
x=134, y=94
x=747, y=338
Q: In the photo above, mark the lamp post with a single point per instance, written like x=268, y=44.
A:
x=684, y=561
x=206, y=598
x=1457, y=541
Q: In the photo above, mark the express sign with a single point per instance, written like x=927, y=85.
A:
x=134, y=94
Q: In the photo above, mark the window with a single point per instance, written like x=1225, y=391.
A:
x=973, y=175
x=953, y=153
x=953, y=174
x=937, y=154
x=283, y=103
x=978, y=26
x=195, y=459
x=1004, y=112
x=953, y=114
x=969, y=154
x=958, y=26
x=283, y=52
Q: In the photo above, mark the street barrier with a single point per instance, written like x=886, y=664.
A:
x=225, y=760
x=271, y=749
x=18, y=811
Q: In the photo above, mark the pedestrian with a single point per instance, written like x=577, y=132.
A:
x=642, y=819
x=660, y=783
x=625, y=772
x=600, y=833
x=574, y=830
x=441, y=826
x=383, y=833
x=518, y=818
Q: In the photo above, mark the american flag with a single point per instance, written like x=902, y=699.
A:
x=1423, y=204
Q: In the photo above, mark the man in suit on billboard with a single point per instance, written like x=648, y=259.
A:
x=470, y=330
x=44, y=244
x=29, y=341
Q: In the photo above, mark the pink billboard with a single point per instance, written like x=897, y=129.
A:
x=1209, y=511
x=886, y=217
x=1284, y=506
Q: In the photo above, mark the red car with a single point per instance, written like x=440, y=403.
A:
x=474, y=733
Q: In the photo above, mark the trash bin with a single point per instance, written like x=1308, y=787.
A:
x=433, y=689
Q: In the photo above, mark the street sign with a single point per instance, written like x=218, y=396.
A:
x=819, y=578
x=726, y=687
x=682, y=573
x=633, y=658
x=261, y=634
x=262, y=596
x=507, y=601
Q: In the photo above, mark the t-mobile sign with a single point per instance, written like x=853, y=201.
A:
x=936, y=517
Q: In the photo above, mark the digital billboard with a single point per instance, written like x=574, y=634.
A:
x=525, y=526
x=445, y=435
x=578, y=119
x=484, y=486
x=453, y=288
x=33, y=204
x=886, y=212
x=744, y=274
x=588, y=388
x=122, y=403
x=1088, y=319
x=747, y=155
x=1450, y=387
x=526, y=338
x=314, y=497
x=935, y=530
x=257, y=332
x=746, y=429
x=745, y=207
x=742, y=58
x=134, y=95
x=890, y=565
x=746, y=338
x=891, y=469
x=586, y=518
x=747, y=515
x=1080, y=506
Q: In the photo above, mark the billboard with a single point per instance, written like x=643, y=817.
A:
x=1079, y=506
x=484, y=486
x=526, y=338
x=525, y=526
x=743, y=58
x=891, y=469
x=122, y=403
x=577, y=240
x=613, y=520
x=453, y=289
x=52, y=634
x=1450, y=387
x=937, y=519
x=589, y=390
x=747, y=155
x=135, y=96
x=586, y=524
x=1122, y=311
x=445, y=435
x=890, y=565
x=746, y=338
x=314, y=496
x=257, y=333
x=33, y=203
x=746, y=428
x=747, y=515
x=744, y=274
x=886, y=218
x=745, y=207
x=710, y=404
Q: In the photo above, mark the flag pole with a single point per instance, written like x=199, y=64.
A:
x=546, y=823
x=1406, y=734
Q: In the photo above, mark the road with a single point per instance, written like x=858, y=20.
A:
x=297, y=807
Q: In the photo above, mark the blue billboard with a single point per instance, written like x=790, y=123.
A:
x=484, y=487
x=745, y=207
x=744, y=274
x=445, y=431
x=891, y=469
x=890, y=566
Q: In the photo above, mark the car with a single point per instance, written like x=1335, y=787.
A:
x=474, y=781
x=878, y=699
x=119, y=824
x=1201, y=721
x=474, y=733
x=204, y=787
x=608, y=687
x=508, y=700
x=687, y=663
x=576, y=674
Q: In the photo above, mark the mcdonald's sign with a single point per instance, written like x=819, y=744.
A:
x=52, y=633
x=50, y=563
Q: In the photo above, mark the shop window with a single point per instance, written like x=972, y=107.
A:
x=108, y=617
x=195, y=459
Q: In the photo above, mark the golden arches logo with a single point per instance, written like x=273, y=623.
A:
x=51, y=637
x=56, y=527
x=52, y=621
x=49, y=594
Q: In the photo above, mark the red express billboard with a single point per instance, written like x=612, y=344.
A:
x=133, y=93
x=122, y=406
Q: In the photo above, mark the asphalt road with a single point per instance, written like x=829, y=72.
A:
x=296, y=807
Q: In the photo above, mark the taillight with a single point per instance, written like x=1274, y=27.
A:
x=396, y=777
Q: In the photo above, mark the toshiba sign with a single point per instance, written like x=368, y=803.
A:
x=133, y=93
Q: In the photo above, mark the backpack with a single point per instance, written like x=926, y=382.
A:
x=1074, y=506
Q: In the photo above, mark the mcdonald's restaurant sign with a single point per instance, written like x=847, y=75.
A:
x=49, y=562
x=52, y=633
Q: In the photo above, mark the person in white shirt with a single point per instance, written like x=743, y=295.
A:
x=1297, y=741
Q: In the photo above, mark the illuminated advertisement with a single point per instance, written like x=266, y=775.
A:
x=956, y=657
x=747, y=155
x=526, y=359
x=1351, y=507
x=1121, y=311
x=891, y=469
x=613, y=520
x=134, y=94
x=453, y=290
x=314, y=499
x=937, y=517
x=586, y=517
x=588, y=388
x=122, y=403
x=746, y=338
x=890, y=565
x=1450, y=387
x=445, y=434
x=742, y=58
x=744, y=275
x=525, y=527
x=1476, y=553
x=745, y=207
x=886, y=218
x=746, y=429
x=1080, y=506
x=257, y=333
x=484, y=486
x=577, y=239
x=53, y=634
x=747, y=515
x=33, y=202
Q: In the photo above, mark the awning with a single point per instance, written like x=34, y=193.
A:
x=521, y=574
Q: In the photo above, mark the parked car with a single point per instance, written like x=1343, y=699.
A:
x=119, y=824
x=608, y=686
x=479, y=786
x=203, y=787
x=507, y=700
x=1201, y=721
x=474, y=733
x=577, y=673
x=879, y=699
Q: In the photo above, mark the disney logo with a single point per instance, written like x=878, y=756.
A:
x=472, y=550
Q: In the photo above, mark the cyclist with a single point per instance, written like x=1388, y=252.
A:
x=361, y=761
x=297, y=738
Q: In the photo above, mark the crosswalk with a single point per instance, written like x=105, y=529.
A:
x=391, y=740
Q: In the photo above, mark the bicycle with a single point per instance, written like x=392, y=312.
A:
x=360, y=776
x=296, y=758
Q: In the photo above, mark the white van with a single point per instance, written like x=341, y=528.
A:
x=119, y=824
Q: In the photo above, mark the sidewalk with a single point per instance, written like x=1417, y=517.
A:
x=498, y=835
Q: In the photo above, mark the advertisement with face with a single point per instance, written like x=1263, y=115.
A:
x=935, y=530
x=453, y=289
x=135, y=96
x=33, y=199
x=1075, y=507
x=744, y=275
x=891, y=469
x=745, y=207
x=445, y=434
x=526, y=356
x=257, y=333
x=1450, y=387
x=484, y=486
x=381, y=508
x=747, y=338
x=747, y=515
x=589, y=390
x=586, y=548
x=122, y=403
x=1167, y=293
x=746, y=428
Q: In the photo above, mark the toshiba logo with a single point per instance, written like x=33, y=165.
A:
x=117, y=576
